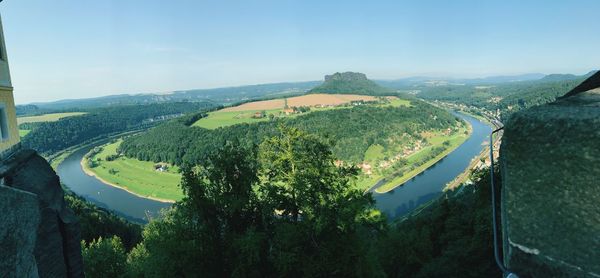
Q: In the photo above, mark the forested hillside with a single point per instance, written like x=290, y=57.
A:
x=353, y=130
x=49, y=137
x=509, y=97
x=451, y=237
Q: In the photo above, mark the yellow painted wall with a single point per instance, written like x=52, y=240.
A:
x=6, y=97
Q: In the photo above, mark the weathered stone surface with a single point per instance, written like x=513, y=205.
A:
x=550, y=162
x=57, y=249
x=19, y=216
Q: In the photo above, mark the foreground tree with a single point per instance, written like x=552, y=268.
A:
x=325, y=222
x=104, y=257
x=217, y=230
x=286, y=211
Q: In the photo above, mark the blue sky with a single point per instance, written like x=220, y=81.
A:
x=74, y=49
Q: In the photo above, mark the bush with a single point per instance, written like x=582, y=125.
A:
x=104, y=257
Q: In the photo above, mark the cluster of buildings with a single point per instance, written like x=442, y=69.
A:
x=162, y=118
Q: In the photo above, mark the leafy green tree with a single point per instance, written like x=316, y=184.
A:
x=217, y=230
x=104, y=257
x=171, y=248
x=324, y=221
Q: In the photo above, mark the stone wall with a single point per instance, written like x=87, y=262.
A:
x=550, y=164
x=35, y=215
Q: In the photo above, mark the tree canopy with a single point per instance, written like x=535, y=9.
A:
x=284, y=208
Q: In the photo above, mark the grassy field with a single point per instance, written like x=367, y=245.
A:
x=397, y=102
x=243, y=113
x=374, y=152
x=23, y=132
x=47, y=117
x=226, y=118
x=455, y=140
x=138, y=177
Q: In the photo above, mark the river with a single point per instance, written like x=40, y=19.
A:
x=430, y=183
x=419, y=190
x=118, y=200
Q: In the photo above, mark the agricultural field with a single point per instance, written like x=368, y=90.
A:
x=247, y=112
x=52, y=117
x=139, y=177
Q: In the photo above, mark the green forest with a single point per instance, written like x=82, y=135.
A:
x=353, y=131
x=284, y=209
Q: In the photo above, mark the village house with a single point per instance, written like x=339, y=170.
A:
x=288, y=111
x=161, y=167
x=259, y=115
x=366, y=168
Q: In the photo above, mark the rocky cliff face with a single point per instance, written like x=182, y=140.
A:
x=346, y=76
x=550, y=163
x=40, y=233
x=350, y=83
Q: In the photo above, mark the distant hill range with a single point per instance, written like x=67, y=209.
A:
x=225, y=95
x=404, y=83
x=346, y=82
x=423, y=81
x=564, y=77
x=350, y=83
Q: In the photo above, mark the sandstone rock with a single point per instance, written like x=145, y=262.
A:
x=20, y=216
x=57, y=245
x=550, y=164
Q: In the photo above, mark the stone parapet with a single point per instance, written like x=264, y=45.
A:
x=550, y=164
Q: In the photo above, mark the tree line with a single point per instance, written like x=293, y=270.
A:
x=48, y=137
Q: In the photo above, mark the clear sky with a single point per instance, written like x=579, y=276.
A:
x=74, y=49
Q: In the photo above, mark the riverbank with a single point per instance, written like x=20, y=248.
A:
x=103, y=195
x=57, y=158
x=429, y=185
x=90, y=173
x=136, y=177
x=457, y=140
x=481, y=160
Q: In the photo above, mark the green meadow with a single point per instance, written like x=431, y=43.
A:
x=221, y=118
x=134, y=175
